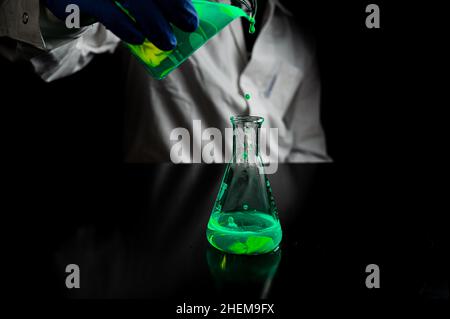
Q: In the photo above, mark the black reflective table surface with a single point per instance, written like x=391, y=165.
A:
x=138, y=232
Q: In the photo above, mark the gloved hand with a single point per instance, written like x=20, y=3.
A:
x=152, y=18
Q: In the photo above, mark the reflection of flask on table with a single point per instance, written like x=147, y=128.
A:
x=244, y=219
x=249, y=276
x=213, y=18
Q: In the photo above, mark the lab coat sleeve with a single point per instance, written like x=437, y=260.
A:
x=53, y=50
x=75, y=54
x=304, y=117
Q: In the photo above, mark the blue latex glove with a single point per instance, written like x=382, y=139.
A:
x=152, y=18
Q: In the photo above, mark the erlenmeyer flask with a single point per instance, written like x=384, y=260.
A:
x=213, y=18
x=244, y=219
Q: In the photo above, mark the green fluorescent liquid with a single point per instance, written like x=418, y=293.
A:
x=248, y=233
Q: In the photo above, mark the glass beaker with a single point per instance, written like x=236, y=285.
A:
x=244, y=219
x=213, y=17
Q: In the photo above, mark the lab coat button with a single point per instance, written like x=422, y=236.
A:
x=25, y=18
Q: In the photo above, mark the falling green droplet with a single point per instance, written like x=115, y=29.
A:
x=247, y=96
x=252, y=28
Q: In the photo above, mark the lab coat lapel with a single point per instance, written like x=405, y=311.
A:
x=272, y=75
x=239, y=40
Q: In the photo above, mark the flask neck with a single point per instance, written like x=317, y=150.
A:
x=246, y=141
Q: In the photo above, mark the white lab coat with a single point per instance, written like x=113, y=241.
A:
x=281, y=78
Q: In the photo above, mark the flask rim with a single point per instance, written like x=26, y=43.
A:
x=246, y=119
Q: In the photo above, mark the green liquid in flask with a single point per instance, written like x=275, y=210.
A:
x=213, y=17
x=248, y=233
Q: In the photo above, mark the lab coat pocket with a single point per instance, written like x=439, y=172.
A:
x=280, y=90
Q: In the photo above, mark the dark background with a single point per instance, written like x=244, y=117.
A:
x=382, y=201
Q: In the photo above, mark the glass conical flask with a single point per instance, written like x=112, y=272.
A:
x=244, y=219
x=213, y=17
